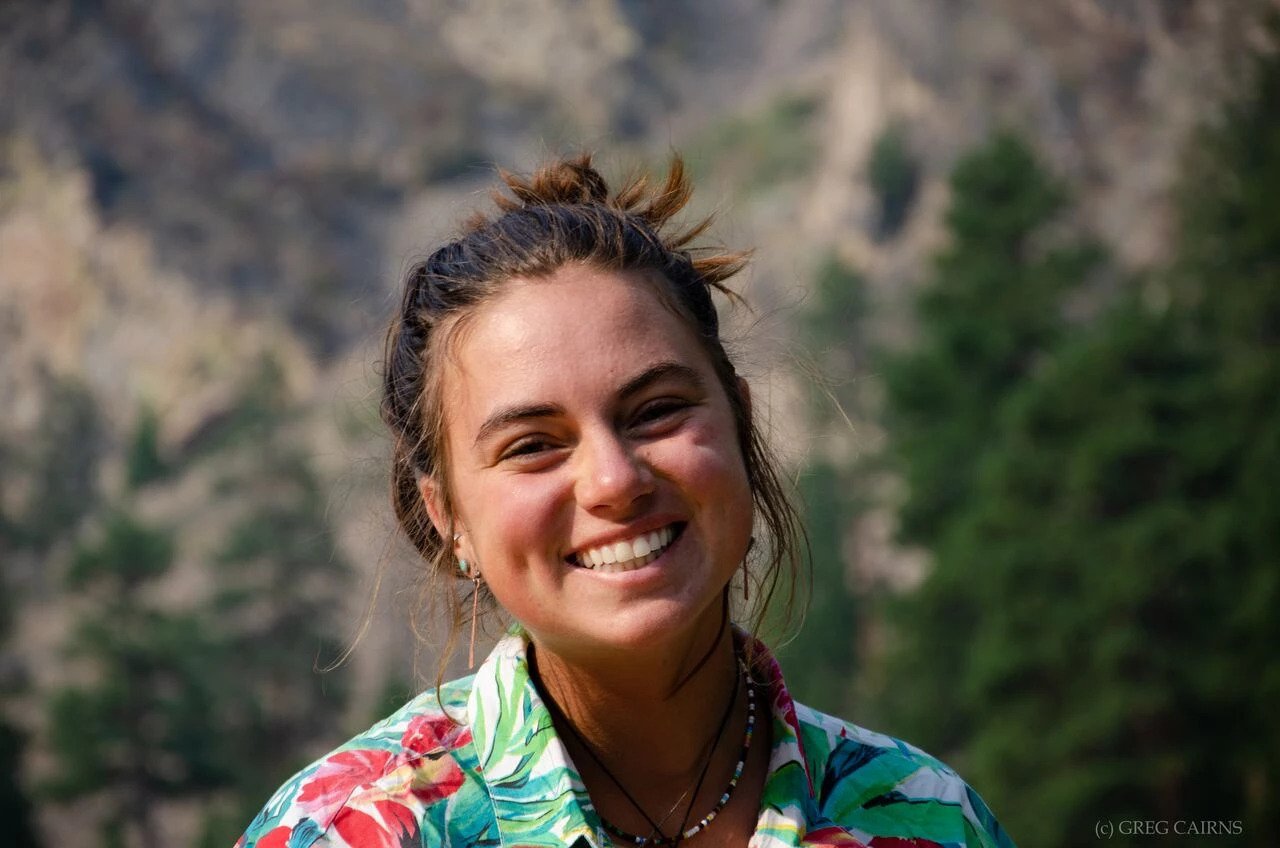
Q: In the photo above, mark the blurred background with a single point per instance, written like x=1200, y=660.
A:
x=1016, y=326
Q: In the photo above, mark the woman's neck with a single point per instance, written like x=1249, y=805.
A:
x=650, y=715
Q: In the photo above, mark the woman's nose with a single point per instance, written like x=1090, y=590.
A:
x=612, y=475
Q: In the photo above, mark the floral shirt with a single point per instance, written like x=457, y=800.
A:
x=483, y=766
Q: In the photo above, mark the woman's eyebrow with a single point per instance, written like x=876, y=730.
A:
x=660, y=371
x=653, y=374
x=512, y=414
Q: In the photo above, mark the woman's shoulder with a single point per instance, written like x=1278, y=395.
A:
x=382, y=781
x=824, y=735
x=861, y=775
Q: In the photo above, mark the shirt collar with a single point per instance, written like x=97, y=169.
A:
x=538, y=795
x=788, y=806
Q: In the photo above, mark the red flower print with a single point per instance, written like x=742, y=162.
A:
x=340, y=775
x=782, y=702
x=276, y=838
x=436, y=779
x=392, y=826
x=430, y=733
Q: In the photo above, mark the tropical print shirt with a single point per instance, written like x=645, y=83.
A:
x=482, y=765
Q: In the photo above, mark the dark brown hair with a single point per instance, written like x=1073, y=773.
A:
x=564, y=214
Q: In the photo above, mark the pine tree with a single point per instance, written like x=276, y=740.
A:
x=144, y=463
x=280, y=591
x=16, y=810
x=15, y=807
x=1108, y=584
x=894, y=177
x=54, y=473
x=60, y=465
x=146, y=728
x=989, y=318
x=218, y=701
x=820, y=660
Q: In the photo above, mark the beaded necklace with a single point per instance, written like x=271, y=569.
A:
x=706, y=820
x=657, y=837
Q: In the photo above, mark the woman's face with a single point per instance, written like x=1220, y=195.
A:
x=585, y=424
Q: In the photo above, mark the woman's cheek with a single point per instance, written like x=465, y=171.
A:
x=524, y=517
x=705, y=464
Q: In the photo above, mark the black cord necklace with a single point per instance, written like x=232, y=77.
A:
x=657, y=837
x=706, y=820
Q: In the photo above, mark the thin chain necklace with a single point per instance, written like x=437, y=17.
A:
x=657, y=837
x=706, y=820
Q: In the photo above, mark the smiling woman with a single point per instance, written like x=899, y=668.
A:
x=567, y=437
x=572, y=439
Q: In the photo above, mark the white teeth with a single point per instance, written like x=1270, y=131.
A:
x=628, y=554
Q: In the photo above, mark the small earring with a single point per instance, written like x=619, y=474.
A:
x=746, y=595
x=475, y=614
x=466, y=569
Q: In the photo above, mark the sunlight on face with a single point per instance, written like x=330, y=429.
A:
x=594, y=463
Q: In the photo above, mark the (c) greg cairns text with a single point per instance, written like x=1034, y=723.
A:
x=1107, y=828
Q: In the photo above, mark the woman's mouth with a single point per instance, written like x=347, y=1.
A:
x=628, y=554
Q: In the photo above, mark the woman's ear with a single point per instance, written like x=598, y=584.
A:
x=745, y=390
x=433, y=499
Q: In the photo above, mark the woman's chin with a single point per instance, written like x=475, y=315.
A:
x=659, y=627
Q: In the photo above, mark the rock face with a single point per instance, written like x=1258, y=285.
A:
x=189, y=187
x=270, y=148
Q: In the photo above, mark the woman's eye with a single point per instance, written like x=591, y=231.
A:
x=661, y=409
x=525, y=448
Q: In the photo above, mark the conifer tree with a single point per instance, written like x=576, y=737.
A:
x=280, y=591
x=220, y=700
x=145, y=464
x=60, y=465
x=1107, y=587
x=820, y=660
x=989, y=317
x=894, y=176
x=992, y=311
x=15, y=807
x=16, y=810
x=54, y=471
x=145, y=728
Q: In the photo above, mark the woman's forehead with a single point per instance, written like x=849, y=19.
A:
x=575, y=330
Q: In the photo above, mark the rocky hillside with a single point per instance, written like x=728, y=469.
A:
x=189, y=189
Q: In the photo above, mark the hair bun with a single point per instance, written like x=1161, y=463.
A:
x=575, y=181
x=568, y=181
